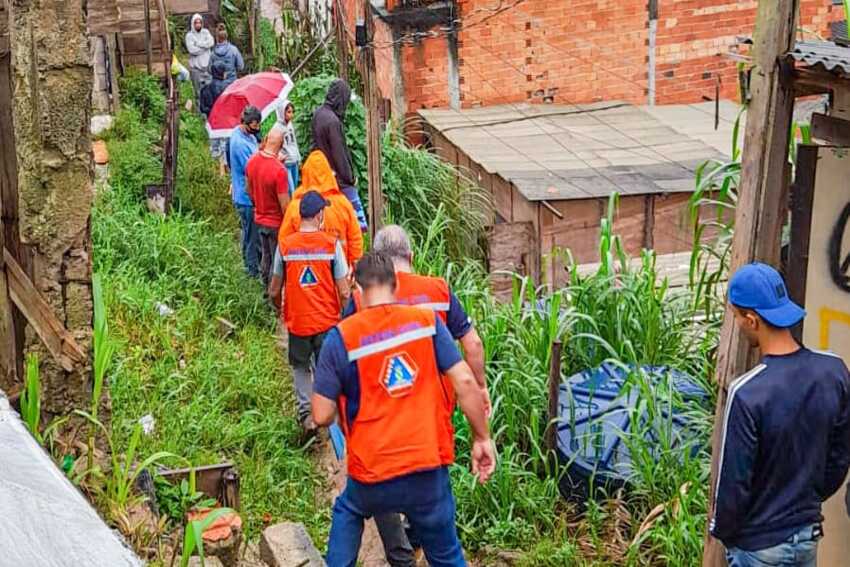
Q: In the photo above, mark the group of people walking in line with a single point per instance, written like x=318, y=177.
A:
x=373, y=348
x=372, y=345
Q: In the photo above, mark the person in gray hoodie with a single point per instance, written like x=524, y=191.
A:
x=289, y=153
x=199, y=41
x=228, y=54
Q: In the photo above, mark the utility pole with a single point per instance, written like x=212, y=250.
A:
x=341, y=40
x=373, y=123
x=762, y=198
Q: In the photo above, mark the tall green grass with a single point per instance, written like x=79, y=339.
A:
x=213, y=398
x=622, y=314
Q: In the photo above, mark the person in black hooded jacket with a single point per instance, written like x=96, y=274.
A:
x=329, y=137
x=211, y=92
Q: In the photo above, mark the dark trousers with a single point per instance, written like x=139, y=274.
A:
x=397, y=547
x=250, y=240
x=425, y=498
x=268, y=247
x=303, y=354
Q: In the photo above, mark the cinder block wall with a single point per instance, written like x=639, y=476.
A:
x=578, y=51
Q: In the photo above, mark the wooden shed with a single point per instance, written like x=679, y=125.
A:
x=552, y=168
x=133, y=24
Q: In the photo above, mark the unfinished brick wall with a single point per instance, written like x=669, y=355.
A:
x=426, y=72
x=694, y=35
x=537, y=51
x=384, y=59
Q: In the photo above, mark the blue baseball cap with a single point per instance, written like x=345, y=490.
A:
x=759, y=287
x=311, y=204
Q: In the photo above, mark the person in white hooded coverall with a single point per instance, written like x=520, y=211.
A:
x=199, y=42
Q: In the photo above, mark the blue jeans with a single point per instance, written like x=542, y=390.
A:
x=354, y=197
x=425, y=498
x=250, y=240
x=799, y=550
x=292, y=177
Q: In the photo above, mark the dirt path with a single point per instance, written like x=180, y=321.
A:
x=371, y=550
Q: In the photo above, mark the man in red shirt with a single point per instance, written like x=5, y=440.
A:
x=268, y=188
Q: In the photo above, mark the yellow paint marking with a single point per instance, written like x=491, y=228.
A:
x=828, y=316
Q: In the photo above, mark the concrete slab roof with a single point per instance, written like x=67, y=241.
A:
x=565, y=152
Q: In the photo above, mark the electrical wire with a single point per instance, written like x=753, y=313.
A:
x=637, y=143
x=531, y=159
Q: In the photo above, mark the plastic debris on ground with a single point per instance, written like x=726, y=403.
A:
x=603, y=410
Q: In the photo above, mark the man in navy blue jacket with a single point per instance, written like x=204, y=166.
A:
x=786, y=433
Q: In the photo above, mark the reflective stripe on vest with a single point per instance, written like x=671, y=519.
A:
x=403, y=421
x=432, y=306
x=424, y=292
x=391, y=343
x=311, y=302
x=308, y=257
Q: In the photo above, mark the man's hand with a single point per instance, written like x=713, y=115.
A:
x=230, y=189
x=483, y=459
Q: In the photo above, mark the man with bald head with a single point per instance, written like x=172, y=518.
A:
x=268, y=188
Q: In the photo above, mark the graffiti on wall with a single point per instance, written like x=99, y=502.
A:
x=839, y=265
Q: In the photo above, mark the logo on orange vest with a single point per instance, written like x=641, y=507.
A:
x=308, y=277
x=399, y=374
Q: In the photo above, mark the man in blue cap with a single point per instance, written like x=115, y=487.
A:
x=311, y=269
x=786, y=433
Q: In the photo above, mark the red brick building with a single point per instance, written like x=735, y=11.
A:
x=466, y=53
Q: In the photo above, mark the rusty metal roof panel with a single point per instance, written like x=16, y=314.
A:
x=825, y=54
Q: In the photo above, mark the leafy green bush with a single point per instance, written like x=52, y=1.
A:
x=144, y=93
x=308, y=95
x=267, y=46
x=200, y=188
x=132, y=163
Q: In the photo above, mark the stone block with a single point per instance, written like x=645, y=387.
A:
x=209, y=561
x=288, y=545
x=78, y=265
x=100, y=123
x=78, y=305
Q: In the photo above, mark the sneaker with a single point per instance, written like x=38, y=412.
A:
x=308, y=425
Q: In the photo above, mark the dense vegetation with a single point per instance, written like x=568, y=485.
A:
x=213, y=398
x=216, y=397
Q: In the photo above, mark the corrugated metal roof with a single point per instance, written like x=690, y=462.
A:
x=823, y=54
x=565, y=152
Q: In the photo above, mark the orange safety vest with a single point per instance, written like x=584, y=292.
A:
x=425, y=292
x=311, y=300
x=340, y=218
x=403, y=423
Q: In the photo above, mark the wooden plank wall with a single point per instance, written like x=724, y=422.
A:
x=133, y=30
x=659, y=221
x=579, y=229
x=102, y=17
x=10, y=338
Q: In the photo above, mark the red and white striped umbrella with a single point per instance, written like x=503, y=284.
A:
x=263, y=90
